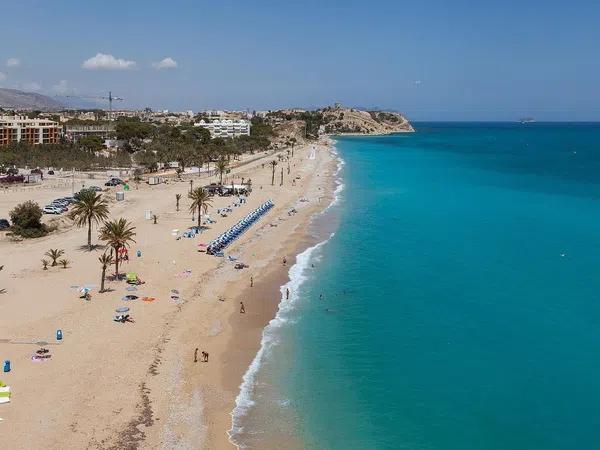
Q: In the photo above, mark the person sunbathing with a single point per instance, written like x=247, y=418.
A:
x=124, y=318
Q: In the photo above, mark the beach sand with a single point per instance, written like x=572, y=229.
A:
x=135, y=385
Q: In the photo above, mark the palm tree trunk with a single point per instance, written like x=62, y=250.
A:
x=90, y=234
x=199, y=216
x=273, y=177
x=117, y=262
x=102, y=281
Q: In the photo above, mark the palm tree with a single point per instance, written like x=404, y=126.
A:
x=200, y=201
x=106, y=260
x=293, y=142
x=273, y=164
x=64, y=263
x=177, y=198
x=89, y=208
x=118, y=234
x=221, y=168
x=54, y=254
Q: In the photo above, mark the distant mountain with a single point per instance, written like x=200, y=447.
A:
x=12, y=98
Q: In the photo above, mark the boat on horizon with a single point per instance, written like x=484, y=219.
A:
x=527, y=120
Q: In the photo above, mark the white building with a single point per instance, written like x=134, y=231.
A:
x=226, y=128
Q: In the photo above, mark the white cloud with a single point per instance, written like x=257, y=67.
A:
x=13, y=62
x=167, y=63
x=62, y=88
x=2, y=77
x=107, y=62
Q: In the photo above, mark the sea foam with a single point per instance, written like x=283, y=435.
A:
x=244, y=401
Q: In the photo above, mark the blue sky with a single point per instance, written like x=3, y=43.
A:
x=432, y=59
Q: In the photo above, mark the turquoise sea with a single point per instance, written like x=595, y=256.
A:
x=461, y=299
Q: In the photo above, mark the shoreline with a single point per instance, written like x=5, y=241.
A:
x=278, y=281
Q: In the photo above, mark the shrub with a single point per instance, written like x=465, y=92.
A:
x=26, y=220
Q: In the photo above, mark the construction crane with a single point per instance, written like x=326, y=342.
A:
x=110, y=99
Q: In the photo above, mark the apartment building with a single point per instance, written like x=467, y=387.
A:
x=226, y=128
x=32, y=131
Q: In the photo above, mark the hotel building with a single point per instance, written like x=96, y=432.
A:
x=226, y=128
x=32, y=131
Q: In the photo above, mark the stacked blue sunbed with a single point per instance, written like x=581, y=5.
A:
x=238, y=229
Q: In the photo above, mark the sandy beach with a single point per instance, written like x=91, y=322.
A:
x=136, y=385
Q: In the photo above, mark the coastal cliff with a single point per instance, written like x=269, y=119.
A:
x=300, y=125
x=355, y=121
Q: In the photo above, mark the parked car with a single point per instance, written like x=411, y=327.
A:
x=51, y=172
x=61, y=205
x=51, y=210
x=4, y=224
x=114, y=182
x=95, y=188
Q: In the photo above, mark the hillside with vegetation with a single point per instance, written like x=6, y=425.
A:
x=308, y=125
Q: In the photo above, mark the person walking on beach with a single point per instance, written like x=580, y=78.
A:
x=284, y=260
x=196, y=355
x=287, y=293
x=205, y=356
x=251, y=281
x=242, y=308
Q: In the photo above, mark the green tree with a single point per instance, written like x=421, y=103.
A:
x=200, y=202
x=105, y=260
x=118, y=233
x=221, y=168
x=89, y=208
x=26, y=220
x=130, y=128
x=91, y=143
